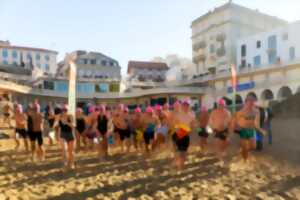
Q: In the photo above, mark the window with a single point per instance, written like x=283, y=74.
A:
x=85, y=61
x=38, y=65
x=61, y=86
x=111, y=63
x=292, y=53
x=211, y=48
x=258, y=44
x=49, y=85
x=257, y=61
x=28, y=56
x=272, y=57
x=37, y=56
x=14, y=54
x=15, y=63
x=93, y=61
x=243, y=50
x=5, y=62
x=4, y=53
x=272, y=42
x=103, y=62
x=47, y=68
x=47, y=58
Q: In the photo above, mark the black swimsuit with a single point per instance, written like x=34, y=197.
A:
x=102, y=124
x=80, y=125
x=66, y=131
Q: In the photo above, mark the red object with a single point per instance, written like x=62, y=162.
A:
x=181, y=133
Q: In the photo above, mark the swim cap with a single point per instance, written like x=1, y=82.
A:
x=79, y=110
x=221, y=102
x=149, y=109
x=186, y=102
x=19, y=108
x=91, y=109
x=158, y=107
x=138, y=110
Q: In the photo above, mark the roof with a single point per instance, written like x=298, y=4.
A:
x=146, y=65
x=229, y=5
x=27, y=48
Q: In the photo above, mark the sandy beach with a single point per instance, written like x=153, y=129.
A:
x=134, y=177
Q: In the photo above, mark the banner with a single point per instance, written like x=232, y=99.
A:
x=72, y=89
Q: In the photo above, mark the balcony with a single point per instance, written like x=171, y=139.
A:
x=201, y=57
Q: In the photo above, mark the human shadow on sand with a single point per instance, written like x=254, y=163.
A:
x=204, y=169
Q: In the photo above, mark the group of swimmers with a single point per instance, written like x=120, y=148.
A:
x=153, y=129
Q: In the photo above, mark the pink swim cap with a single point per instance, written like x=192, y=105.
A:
x=126, y=109
x=19, y=108
x=79, y=110
x=158, y=107
x=149, y=109
x=102, y=107
x=91, y=109
x=186, y=102
x=177, y=103
x=221, y=102
x=166, y=106
x=121, y=106
x=137, y=110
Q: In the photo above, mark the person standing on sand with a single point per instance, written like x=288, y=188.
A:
x=91, y=132
x=247, y=122
x=66, y=127
x=102, y=127
x=20, y=119
x=137, y=128
x=50, y=119
x=36, y=133
x=121, y=127
x=161, y=134
x=220, y=121
x=150, y=122
x=202, y=132
x=184, y=121
x=80, y=129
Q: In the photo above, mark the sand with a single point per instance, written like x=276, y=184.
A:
x=135, y=177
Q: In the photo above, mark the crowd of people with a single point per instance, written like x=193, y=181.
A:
x=147, y=130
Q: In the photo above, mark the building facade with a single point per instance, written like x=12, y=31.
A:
x=28, y=58
x=215, y=34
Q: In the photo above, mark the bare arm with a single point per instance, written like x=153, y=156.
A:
x=257, y=124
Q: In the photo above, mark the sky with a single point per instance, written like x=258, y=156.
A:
x=122, y=29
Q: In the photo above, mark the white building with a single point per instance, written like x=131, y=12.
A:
x=278, y=46
x=28, y=57
x=215, y=34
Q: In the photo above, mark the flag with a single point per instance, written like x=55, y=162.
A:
x=72, y=89
x=233, y=77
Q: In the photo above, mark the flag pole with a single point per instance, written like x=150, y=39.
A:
x=72, y=88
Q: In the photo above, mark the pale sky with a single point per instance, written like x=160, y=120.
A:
x=122, y=29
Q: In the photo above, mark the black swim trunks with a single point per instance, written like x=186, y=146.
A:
x=182, y=144
x=148, y=136
x=36, y=136
x=22, y=132
x=222, y=135
x=124, y=133
x=203, y=133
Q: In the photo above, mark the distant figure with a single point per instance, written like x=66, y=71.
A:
x=268, y=125
x=202, y=132
x=259, y=135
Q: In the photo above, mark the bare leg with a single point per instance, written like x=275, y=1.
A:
x=70, y=159
x=32, y=150
x=63, y=151
x=16, y=141
x=25, y=141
